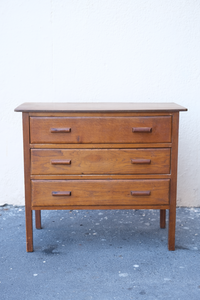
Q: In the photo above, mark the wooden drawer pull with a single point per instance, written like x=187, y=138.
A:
x=61, y=162
x=140, y=161
x=142, y=129
x=61, y=193
x=60, y=130
x=140, y=193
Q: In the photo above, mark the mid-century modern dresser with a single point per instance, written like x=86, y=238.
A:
x=100, y=156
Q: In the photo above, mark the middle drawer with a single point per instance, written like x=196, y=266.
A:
x=100, y=161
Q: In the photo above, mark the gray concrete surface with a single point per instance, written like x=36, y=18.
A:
x=100, y=255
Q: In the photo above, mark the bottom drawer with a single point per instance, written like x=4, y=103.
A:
x=100, y=192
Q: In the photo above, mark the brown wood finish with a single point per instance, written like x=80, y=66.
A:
x=60, y=162
x=60, y=130
x=100, y=161
x=99, y=146
x=140, y=161
x=103, y=176
x=97, y=114
x=100, y=192
x=92, y=207
x=92, y=130
x=162, y=218
x=67, y=193
x=100, y=156
x=142, y=129
x=38, y=219
x=174, y=160
x=140, y=193
x=99, y=107
x=27, y=182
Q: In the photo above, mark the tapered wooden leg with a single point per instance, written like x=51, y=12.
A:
x=162, y=218
x=29, y=230
x=27, y=181
x=38, y=219
x=173, y=183
x=172, y=228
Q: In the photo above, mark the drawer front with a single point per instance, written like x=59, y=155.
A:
x=94, y=130
x=99, y=192
x=100, y=161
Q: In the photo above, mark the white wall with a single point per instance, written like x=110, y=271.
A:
x=99, y=50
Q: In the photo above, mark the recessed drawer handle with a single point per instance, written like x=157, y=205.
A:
x=61, y=193
x=60, y=130
x=140, y=193
x=142, y=129
x=140, y=161
x=61, y=162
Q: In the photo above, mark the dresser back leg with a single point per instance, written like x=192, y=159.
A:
x=38, y=219
x=162, y=218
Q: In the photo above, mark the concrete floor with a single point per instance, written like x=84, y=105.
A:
x=100, y=255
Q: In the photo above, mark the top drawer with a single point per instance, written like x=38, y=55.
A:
x=95, y=130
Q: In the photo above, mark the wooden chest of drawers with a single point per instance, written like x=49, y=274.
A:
x=100, y=156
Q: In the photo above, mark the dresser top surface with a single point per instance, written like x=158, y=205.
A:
x=98, y=107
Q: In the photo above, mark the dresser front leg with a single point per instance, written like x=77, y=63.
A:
x=27, y=181
x=162, y=218
x=29, y=230
x=172, y=228
x=173, y=184
x=38, y=219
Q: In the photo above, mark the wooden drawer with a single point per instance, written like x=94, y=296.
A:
x=54, y=193
x=95, y=130
x=100, y=161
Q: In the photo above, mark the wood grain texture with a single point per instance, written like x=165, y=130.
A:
x=141, y=161
x=98, y=106
x=86, y=207
x=100, y=146
x=38, y=219
x=99, y=192
x=60, y=162
x=64, y=193
x=94, y=130
x=60, y=130
x=142, y=129
x=162, y=218
x=140, y=193
x=100, y=161
x=173, y=187
x=98, y=114
x=100, y=156
x=27, y=182
x=103, y=176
